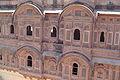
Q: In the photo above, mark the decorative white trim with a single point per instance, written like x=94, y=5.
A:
x=52, y=11
x=108, y=12
x=7, y=11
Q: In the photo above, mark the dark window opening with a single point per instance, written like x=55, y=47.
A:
x=0, y=57
x=29, y=61
x=12, y=29
x=102, y=37
x=53, y=32
x=29, y=30
x=75, y=69
x=77, y=34
x=0, y=29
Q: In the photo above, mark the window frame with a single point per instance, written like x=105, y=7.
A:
x=66, y=34
x=61, y=29
x=88, y=36
x=111, y=38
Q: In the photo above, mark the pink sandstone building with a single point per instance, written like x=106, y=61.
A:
x=59, y=40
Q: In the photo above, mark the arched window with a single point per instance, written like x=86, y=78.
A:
x=102, y=37
x=12, y=29
x=29, y=30
x=75, y=69
x=29, y=61
x=76, y=34
x=53, y=32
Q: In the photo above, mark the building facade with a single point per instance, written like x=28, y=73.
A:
x=59, y=40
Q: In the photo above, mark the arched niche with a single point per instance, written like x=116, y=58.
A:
x=82, y=67
x=29, y=50
x=27, y=9
x=76, y=15
x=75, y=9
x=27, y=14
x=22, y=58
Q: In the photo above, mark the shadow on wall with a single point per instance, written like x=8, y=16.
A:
x=1, y=78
